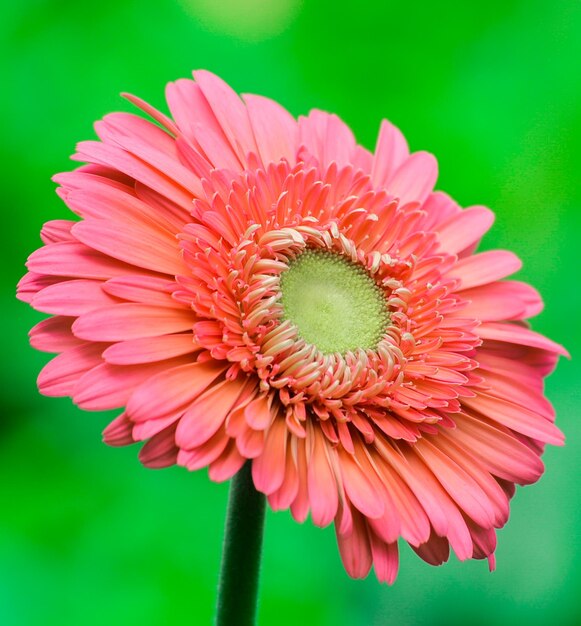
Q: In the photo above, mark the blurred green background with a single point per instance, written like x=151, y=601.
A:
x=87, y=536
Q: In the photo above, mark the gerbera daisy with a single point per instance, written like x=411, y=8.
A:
x=249, y=286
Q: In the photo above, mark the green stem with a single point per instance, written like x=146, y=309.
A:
x=238, y=586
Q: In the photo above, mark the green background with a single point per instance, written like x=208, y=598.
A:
x=88, y=536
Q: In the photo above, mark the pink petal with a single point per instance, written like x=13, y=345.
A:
x=159, y=117
x=229, y=111
x=216, y=149
x=355, y=548
x=152, y=427
x=226, y=465
x=513, y=333
x=258, y=414
x=54, y=335
x=506, y=300
x=87, y=175
x=283, y=497
x=172, y=389
x=31, y=283
x=59, y=376
x=435, y=551
x=390, y=152
x=55, y=231
x=533, y=363
x=484, y=268
x=142, y=245
x=464, y=229
x=385, y=559
x=150, y=349
x=160, y=451
x=110, y=386
x=458, y=483
x=484, y=543
x=327, y=138
x=129, y=164
x=405, y=515
x=148, y=148
x=300, y=505
x=72, y=298
x=118, y=432
x=435, y=499
x=235, y=423
x=358, y=488
x=163, y=207
x=522, y=392
x=204, y=454
x=76, y=260
x=100, y=200
x=269, y=468
x=189, y=108
x=143, y=289
x=114, y=127
x=477, y=470
x=194, y=158
x=517, y=418
x=492, y=302
x=208, y=413
x=131, y=321
x=274, y=128
x=321, y=480
x=250, y=443
x=414, y=179
x=421, y=482
x=439, y=208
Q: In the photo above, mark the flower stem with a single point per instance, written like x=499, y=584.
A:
x=238, y=586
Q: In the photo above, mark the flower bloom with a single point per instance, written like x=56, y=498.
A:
x=250, y=286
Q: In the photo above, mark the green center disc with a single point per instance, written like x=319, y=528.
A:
x=334, y=303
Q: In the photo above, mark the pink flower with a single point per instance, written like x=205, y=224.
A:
x=249, y=286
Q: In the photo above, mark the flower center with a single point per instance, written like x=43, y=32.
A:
x=334, y=303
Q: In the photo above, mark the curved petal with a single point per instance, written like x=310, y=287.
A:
x=207, y=413
x=149, y=349
x=143, y=245
x=462, y=230
x=229, y=111
x=172, y=389
x=72, y=297
x=391, y=151
x=414, y=179
x=485, y=267
x=327, y=138
x=122, y=322
x=274, y=128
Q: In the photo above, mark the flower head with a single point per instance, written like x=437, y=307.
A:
x=249, y=286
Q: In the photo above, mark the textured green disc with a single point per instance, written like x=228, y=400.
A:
x=334, y=303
